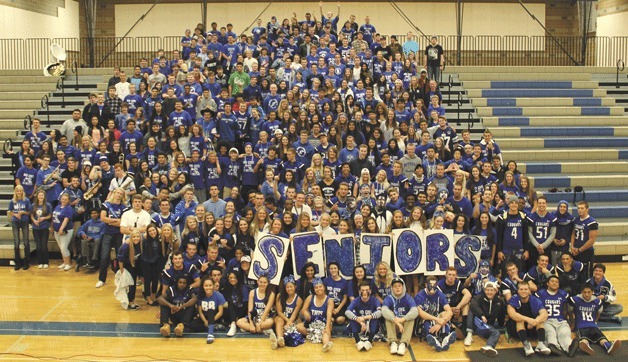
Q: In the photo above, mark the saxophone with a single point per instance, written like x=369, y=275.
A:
x=94, y=175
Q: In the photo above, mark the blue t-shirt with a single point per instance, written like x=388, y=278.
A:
x=554, y=303
x=212, y=302
x=336, y=289
x=59, y=214
x=585, y=312
x=431, y=304
x=20, y=205
x=535, y=304
x=581, y=230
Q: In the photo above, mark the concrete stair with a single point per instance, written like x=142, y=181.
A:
x=565, y=127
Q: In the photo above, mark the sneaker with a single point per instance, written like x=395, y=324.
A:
x=61, y=266
x=165, y=330
x=328, y=346
x=46, y=266
x=367, y=345
x=401, y=350
x=573, y=348
x=393, y=348
x=555, y=350
x=210, y=338
x=586, y=348
x=489, y=351
x=432, y=341
x=360, y=346
x=178, y=330
x=615, y=346
x=100, y=284
x=527, y=348
x=468, y=340
x=17, y=266
x=40, y=266
x=26, y=266
x=281, y=342
x=134, y=306
x=273, y=340
x=616, y=319
x=232, y=330
x=267, y=332
x=78, y=267
x=67, y=267
x=448, y=341
x=542, y=349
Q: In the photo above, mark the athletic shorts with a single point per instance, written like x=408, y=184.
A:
x=592, y=334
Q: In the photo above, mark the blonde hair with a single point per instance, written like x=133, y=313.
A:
x=389, y=274
x=132, y=246
x=172, y=240
x=19, y=188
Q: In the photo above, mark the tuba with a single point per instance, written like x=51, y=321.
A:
x=57, y=67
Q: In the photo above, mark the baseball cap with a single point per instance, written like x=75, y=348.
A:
x=246, y=259
x=233, y=149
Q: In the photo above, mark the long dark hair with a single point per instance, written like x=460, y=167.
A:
x=355, y=285
x=477, y=230
x=305, y=287
x=229, y=290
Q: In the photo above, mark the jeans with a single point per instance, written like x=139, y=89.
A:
x=491, y=335
x=108, y=241
x=64, y=242
x=21, y=227
x=41, y=240
x=433, y=72
x=610, y=310
x=89, y=249
x=132, y=288
x=356, y=328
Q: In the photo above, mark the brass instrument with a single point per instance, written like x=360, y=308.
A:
x=92, y=191
x=54, y=174
x=127, y=182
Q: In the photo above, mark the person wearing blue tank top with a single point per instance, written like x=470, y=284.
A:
x=261, y=301
x=287, y=306
x=317, y=307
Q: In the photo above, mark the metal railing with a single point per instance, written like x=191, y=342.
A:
x=483, y=50
x=620, y=68
x=45, y=103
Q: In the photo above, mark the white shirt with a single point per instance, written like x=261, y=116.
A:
x=134, y=219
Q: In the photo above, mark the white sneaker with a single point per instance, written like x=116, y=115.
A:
x=527, y=348
x=401, y=349
x=327, y=346
x=367, y=345
x=542, y=349
x=232, y=330
x=46, y=266
x=99, y=284
x=267, y=332
x=360, y=346
x=40, y=266
x=468, y=340
x=67, y=267
x=489, y=351
x=273, y=340
x=61, y=266
x=393, y=348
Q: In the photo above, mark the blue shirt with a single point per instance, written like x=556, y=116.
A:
x=336, y=289
x=581, y=230
x=585, y=311
x=20, y=205
x=431, y=304
x=399, y=306
x=535, y=304
x=59, y=214
x=554, y=303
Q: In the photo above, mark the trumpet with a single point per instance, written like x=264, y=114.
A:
x=92, y=191
x=54, y=174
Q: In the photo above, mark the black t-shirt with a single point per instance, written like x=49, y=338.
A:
x=433, y=54
x=67, y=174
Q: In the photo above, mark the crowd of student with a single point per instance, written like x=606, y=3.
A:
x=296, y=127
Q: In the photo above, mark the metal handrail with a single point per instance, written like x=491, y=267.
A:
x=459, y=106
x=620, y=68
x=46, y=104
x=61, y=87
x=76, y=75
x=470, y=120
x=28, y=122
x=451, y=79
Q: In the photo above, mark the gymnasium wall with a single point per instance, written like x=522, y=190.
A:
x=430, y=17
x=39, y=19
x=612, y=18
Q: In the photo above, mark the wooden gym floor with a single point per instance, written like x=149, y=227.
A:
x=56, y=315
